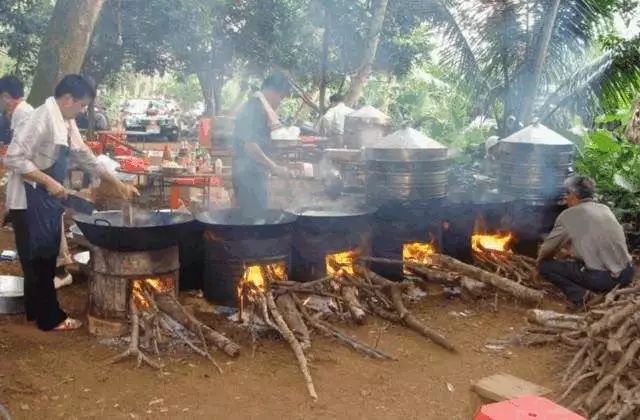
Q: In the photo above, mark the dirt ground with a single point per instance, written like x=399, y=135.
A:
x=63, y=375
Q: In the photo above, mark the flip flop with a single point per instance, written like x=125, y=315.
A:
x=68, y=324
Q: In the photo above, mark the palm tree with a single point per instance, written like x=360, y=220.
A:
x=526, y=59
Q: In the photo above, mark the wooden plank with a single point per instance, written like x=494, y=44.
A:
x=502, y=386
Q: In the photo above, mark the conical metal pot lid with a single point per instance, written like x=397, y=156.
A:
x=537, y=133
x=370, y=114
x=407, y=138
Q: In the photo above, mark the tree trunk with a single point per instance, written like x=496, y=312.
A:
x=633, y=129
x=531, y=83
x=65, y=45
x=205, y=78
x=373, y=39
x=324, y=63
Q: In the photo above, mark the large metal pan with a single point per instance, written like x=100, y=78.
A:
x=150, y=230
x=235, y=224
x=11, y=295
x=338, y=216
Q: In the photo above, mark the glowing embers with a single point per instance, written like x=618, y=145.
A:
x=496, y=242
x=340, y=262
x=481, y=241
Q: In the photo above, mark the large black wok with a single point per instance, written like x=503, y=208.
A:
x=151, y=230
x=335, y=217
x=235, y=224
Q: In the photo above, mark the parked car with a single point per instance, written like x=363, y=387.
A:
x=150, y=116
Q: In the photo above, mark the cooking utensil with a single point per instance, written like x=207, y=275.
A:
x=234, y=223
x=149, y=230
x=78, y=204
x=11, y=295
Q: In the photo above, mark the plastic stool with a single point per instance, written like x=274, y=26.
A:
x=529, y=407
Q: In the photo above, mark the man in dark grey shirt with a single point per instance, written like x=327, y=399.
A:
x=597, y=243
x=252, y=139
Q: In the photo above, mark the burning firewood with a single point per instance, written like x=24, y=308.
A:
x=159, y=315
x=518, y=290
x=603, y=378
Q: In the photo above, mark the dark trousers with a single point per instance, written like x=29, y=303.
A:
x=41, y=301
x=574, y=279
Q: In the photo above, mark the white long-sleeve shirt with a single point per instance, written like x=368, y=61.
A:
x=20, y=116
x=15, y=188
x=34, y=147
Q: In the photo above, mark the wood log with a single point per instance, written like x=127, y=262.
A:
x=473, y=287
x=169, y=305
x=350, y=296
x=608, y=379
x=293, y=318
x=555, y=319
x=611, y=320
x=412, y=322
x=293, y=343
x=330, y=330
x=499, y=282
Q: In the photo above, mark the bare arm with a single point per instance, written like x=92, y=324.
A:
x=255, y=153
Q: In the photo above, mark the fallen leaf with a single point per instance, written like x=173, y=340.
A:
x=25, y=407
x=157, y=401
x=450, y=387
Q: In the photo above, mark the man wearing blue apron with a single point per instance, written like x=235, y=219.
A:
x=40, y=152
x=252, y=145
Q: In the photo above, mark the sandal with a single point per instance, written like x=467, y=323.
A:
x=69, y=324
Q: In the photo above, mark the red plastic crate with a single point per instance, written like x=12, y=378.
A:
x=529, y=407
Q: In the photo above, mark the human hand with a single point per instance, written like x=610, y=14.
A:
x=127, y=191
x=55, y=189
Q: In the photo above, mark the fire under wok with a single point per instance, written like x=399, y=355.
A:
x=149, y=230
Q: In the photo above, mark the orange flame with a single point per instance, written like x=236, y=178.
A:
x=497, y=242
x=418, y=252
x=258, y=275
x=338, y=263
x=156, y=284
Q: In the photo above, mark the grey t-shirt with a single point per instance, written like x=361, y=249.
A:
x=251, y=126
x=595, y=236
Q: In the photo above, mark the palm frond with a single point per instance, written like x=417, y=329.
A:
x=613, y=79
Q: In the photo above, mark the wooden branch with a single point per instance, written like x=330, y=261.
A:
x=412, y=322
x=349, y=294
x=293, y=318
x=611, y=377
x=612, y=319
x=555, y=319
x=286, y=333
x=502, y=283
x=330, y=330
x=169, y=305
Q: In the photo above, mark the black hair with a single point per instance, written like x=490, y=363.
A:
x=13, y=86
x=77, y=86
x=277, y=82
x=336, y=97
x=582, y=187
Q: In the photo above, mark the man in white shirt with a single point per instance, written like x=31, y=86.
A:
x=40, y=152
x=331, y=124
x=12, y=102
x=17, y=111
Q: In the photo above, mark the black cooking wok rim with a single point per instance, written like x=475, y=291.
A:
x=288, y=218
x=89, y=219
x=356, y=211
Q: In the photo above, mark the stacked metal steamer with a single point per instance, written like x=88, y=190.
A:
x=532, y=166
x=362, y=128
x=406, y=178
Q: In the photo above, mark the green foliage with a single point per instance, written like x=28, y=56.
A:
x=613, y=162
x=22, y=24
